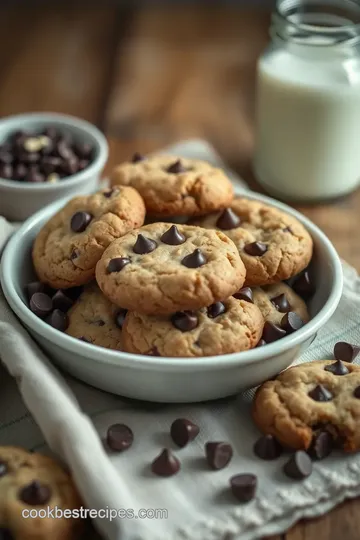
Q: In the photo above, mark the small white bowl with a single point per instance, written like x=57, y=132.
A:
x=170, y=379
x=19, y=200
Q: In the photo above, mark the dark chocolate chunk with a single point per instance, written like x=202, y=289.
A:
x=80, y=221
x=183, y=431
x=195, y=259
x=218, y=454
x=3, y=468
x=303, y=285
x=185, y=321
x=137, y=157
x=176, y=167
x=337, y=368
x=299, y=466
x=357, y=392
x=243, y=486
x=173, y=237
x=35, y=494
x=346, y=351
x=116, y=265
x=119, y=437
x=34, y=287
x=120, y=317
x=321, y=445
x=267, y=447
x=228, y=220
x=64, y=150
x=272, y=332
x=20, y=172
x=144, y=245
x=255, y=249
x=83, y=150
x=41, y=304
x=62, y=301
x=320, y=393
x=281, y=303
x=291, y=322
x=215, y=310
x=245, y=294
x=165, y=464
x=58, y=320
x=50, y=164
x=70, y=166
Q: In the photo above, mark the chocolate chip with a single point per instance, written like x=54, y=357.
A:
x=34, y=177
x=267, y=447
x=61, y=301
x=299, y=466
x=80, y=221
x=165, y=464
x=228, y=220
x=357, y=392
x=41, y=304
x=337, y=368
x=116, y=265
x=218, y=454
x=83, y=150
x=3, y=468
x=272, y=332
x=243, y=486
x=245, y=294
x=154, y=352
x=35, y=494
x=287, y=229
x=261, y=343
x=255, y=249
x=20, y=172
x=137, y=157
x=303, y=285
x=63, y=150
x=51, y=164
x=34, y=287
x=183, y=431
x=120, y=317
x=119, y=437
x=82, y=164
x=321, y=445
x=6, y=157
x=144, y=245
x=215, y=310
x=320, y=393
x=98, y=322
x=58, y=320
x=70, y=166
x=195, y=259
x=5, y=534
x=108, y=193
x=6, y=171
x=346, y=351
x=173, y=237
x=281, y=303
x=185, y=321
x=74, y=254
x=29, y=158
x=291, y=322
x=176, y=167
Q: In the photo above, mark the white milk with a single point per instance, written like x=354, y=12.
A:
x=308, y=124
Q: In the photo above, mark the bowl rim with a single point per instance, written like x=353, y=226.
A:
x=137, y=361
x=58, y=119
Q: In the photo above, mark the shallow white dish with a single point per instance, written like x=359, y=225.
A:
x=170, y=379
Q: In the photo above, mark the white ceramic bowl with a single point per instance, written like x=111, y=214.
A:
x=19, y=200
x=170, y=379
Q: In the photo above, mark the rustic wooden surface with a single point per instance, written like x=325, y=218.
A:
x=149, y=77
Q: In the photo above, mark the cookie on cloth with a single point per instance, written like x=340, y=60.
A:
x=163, y=268
x=68, y=247
x=273, y=245
x=172, y=186
x=224, y=327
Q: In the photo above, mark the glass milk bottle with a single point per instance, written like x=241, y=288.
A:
x=308, y=101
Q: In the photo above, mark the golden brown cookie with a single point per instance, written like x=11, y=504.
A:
x=273, y=245
x=172, y=186
x=68, y=247
x=163, y=268
x=274, y=301
x=222, y=328
x=308, y=398
x=32, y=482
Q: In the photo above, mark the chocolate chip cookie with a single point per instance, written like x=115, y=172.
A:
x=171, y=186
x=222, y=328
x=68, y=247
x=94, y=319
x=311, y=398
x=32, y=482
x=163, y=268
x=277, y=301
x=273, y=245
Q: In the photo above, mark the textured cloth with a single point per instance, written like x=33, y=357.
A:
x=197, y=501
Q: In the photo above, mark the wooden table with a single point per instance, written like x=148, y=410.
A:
x=149, y=77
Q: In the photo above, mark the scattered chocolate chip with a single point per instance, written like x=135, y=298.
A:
x=35, y=494
x=176, y=167
x=281, y=303
x=185, y=321
x=61, y=301
x=337, y=368
x=41, y=304
x=137, y=157
x=303, y=285
x=255, y=249
x=228, y=220
x=119, y=437
x=245, y=294
x=116, y=265
x=320, y=393
x=261, y=343
x=272, y=332
x=195, y=259
x=215, y=310
x=3, y=468
x=34, y=287
x=165, y=464
x=120, y=317
x=183, y=431
x=80, y=221
x=74, y=254
x=58, y=319
x=5, y=534
x=357, y=392
x=173, y=237
x=144, y=245
x=321, y=445
x=346, y=351
x=243, y=486
x=267, y=447
x=291, y=322
x=98, y=322
x=299, y=466
x=218, y=454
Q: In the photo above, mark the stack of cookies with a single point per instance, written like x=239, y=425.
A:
x=215, y=285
